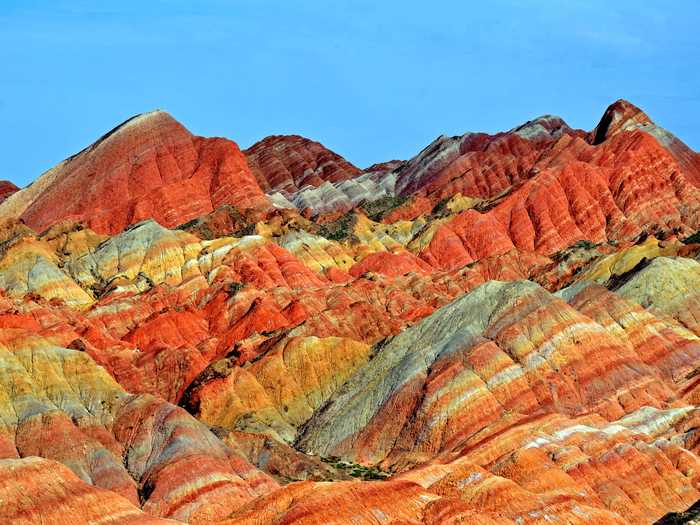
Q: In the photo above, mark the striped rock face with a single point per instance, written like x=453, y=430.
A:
x=504, y=348
x=58, y=404
x=62, y=497
x=502, y=329
x=290, y=163
x=148, y=167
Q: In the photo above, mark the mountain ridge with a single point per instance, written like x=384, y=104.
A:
x=501, y=329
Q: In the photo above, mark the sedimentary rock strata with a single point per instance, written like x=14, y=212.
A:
x=290, y=163
x=58, y=404
x=148, y=167
x=502, y=329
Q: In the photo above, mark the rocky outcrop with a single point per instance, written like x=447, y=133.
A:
x=620, y=116
x=638, y=189
x=503, y=347
x=339, y=197
x=477, y=164
x=279, y=392
x=669, y=286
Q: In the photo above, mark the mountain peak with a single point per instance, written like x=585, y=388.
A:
x=543, y=127
x=150, y=117
x=291, y=162
x=619, y=116
x=142, y=168
x=153, y=118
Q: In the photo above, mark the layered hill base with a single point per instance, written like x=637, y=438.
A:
x=502, y=329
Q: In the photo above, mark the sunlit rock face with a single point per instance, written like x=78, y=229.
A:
x=622, y=116
x=59, y=404
x=288, y=163
x=511, y=347
x=37, y=490
x=302, y=174
x=539, y=187
x=148, y=167
x=502, y=329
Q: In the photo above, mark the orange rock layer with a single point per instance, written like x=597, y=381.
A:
x=503, y=329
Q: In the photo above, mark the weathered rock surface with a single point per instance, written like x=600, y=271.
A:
x=148, y=167
x=502, y=329
x=511, y=347
x=57, y=403
x=35, y=490
x=668, y=285
x=288, y=163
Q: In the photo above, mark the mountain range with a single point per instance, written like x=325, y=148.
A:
x=502, y=329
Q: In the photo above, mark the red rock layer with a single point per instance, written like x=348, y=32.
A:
x=390, y=264
x=628, y=185
x=7, y=189
x=618, y=117
x=623, y=116
x=35, y=490
x=176, y=341
x=663, y=346
x=383, y=167
x=290, y=162
x=58, y=404
x=149, y=167
x=514, y=406
x=477, y=164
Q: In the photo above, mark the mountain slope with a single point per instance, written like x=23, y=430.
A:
x=501, y=329
x=148, y=167
x=289, y=163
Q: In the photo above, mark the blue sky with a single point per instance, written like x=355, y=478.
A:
x=373, y=80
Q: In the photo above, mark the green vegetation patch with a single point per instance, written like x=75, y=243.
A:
x=248, y=229
x=356, y=470
x=566, y=253
x=692, y=239
x=233, y=288
x=440, y=208
x=585, y=244
x=340, y=230
x=376, y=210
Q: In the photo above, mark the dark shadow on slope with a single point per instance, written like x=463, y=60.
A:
x=676, y=518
